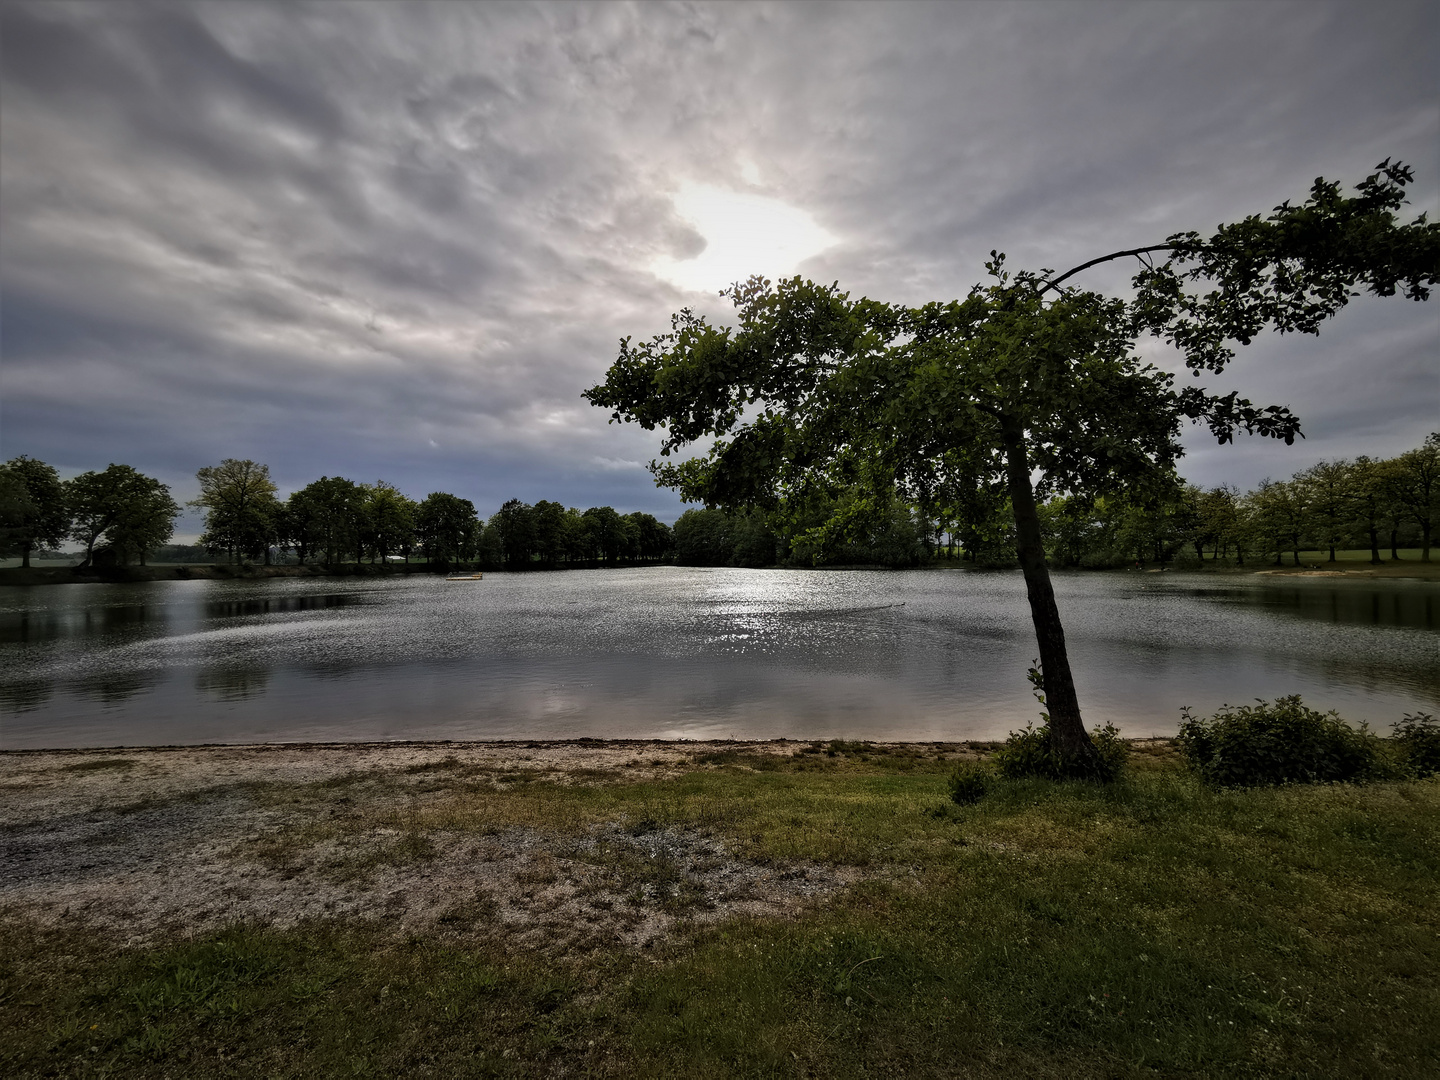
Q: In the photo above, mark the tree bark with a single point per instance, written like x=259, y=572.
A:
x=1067, y=729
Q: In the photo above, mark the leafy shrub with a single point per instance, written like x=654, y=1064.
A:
x=1029, y=752
x=1418, y=740
x=1279, y=742
x=970, y=782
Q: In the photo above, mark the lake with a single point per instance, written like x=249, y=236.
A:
x=674, y=652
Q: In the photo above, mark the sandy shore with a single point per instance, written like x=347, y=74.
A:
x=146, y=844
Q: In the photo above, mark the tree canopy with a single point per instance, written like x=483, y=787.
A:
x=133, y=513
x=815, y=397
x=32, y=505
x=241, y=511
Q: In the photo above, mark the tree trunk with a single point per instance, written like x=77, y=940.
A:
x=25, y=554
x=1394, y=545
x=1375, y=559
x=1067, y=729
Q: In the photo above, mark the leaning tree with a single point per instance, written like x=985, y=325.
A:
x=1027, y=386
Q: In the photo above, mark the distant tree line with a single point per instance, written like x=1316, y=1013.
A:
x=121, y=516
x=1382, y=505
x=334, y=520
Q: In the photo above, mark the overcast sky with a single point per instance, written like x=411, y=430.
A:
x=398, y=240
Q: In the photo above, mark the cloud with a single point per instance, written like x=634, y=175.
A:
x=398, y=240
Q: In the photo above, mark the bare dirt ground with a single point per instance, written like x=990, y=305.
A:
x=147, y=844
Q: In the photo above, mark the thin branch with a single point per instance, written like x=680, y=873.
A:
x=1104, y=258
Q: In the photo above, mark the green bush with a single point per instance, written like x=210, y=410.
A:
x=970, y=782
x=1418, y=740
x=1279, y=742
x=1028, y=752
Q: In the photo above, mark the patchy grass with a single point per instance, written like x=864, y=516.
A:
x=1149, y=927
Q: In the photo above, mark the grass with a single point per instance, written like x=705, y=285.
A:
x=1150, y=927
x=1349, y=560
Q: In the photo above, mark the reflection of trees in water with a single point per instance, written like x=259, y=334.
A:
x=274, y=605
x=26, y=695
x=115, y=686
x=233, y=683
x=87, y=625
x=1359, y=607
x=31, y=628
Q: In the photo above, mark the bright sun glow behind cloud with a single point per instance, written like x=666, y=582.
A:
x=744, y=235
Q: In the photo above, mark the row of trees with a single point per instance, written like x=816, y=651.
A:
x=1382, y=505
x=330, y=520
x=119, y=514
x=333, y=520
x=122, y=516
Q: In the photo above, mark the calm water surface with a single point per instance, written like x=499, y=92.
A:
x=686, y=653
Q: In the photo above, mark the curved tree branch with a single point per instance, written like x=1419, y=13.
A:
x=1104, y=258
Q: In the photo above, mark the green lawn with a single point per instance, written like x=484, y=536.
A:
x=1148, y=928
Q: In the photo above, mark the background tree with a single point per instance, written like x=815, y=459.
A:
x=813, y=391
x=387, y=520
x=515, y=522
x=703, y=538
x=35, y=513
x=578, y=538
x=16, y=507
x=1274, y=519
x=241, y=510
x=653, y=536
x=1330, y=498
x=608, y=532
x=132, y=512
x=323, y=519
x=1219, y=521
x=1370, y=502
x=447, y=528
x=550, y=532
x=1414, y=483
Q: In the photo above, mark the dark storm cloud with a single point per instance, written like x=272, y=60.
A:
x=397, y=240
